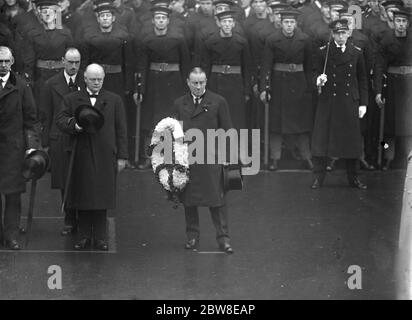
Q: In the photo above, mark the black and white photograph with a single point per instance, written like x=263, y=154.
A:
x=205, y=155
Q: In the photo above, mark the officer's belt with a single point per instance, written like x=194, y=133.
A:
x=164, y=67
x=49, y=64
x=224, y=68
x=112, y=68
x=288, y=67
x=400, y=69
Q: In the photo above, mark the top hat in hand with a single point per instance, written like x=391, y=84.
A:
x=89, y=118
x=35, y=164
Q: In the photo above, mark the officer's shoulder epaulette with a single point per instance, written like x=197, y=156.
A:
x=358, y=48
x=323, y=47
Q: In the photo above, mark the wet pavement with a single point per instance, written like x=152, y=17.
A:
x=290, y=242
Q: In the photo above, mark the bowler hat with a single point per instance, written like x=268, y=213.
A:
x=232, y=177
x=89, y=118
x=35, y=164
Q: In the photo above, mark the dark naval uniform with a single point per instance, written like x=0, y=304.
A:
x=227, y=61
x=113, y=51
x=164, y=62
x=287, y=63
x=257, y=30
x=42, y=54
x=395, y=60
x=336, y=131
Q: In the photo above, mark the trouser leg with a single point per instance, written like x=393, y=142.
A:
x=303, y=144
x=12, y=215
x=99, y=224
x=319, y=167
x=390, y=151
x=70, y=218
x=85, y=224
x=351, y=169
x=220, y=221
x=275, y=144
x=1, y=220
x=192, y=223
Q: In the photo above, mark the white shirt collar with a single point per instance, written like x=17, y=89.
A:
x=342, y=46
x=247, y=11
x=5, y=79
x=89, y=92
x=67, y=77
x=200, y=98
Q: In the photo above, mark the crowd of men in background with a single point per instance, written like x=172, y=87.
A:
x=147, y=48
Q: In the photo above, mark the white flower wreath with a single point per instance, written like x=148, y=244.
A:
x=174, y=176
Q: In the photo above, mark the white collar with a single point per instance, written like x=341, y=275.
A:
x=200, y=98
x=342, y=46
x=247, y=11
x=67, y=77
x=89, y=92
x=5, y=78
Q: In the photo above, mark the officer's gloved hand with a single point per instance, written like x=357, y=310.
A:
x=362, y=111
x=78, y=128
x=321, y=80
x=265, y=96
x=379, y=100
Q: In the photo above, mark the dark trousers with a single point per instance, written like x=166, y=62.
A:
x=12, y=213
x=92, y=223
x=219, y=218
x=70, y=218
x=320, y=163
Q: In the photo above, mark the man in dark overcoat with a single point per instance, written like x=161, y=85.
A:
x=98, y=156
x=67, y=81
x=287, y=67
x=343, y=100
x=202, y=109
x=19, y=132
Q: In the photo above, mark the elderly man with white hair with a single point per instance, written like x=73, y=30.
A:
x=98, y=156
x=19, y=132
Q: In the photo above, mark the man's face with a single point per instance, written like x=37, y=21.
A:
x=197, y=83
x=71, y=62
x=325, y=10
x=407, y=3
x=177, y=5
x=221, y=7
x=11, y=2
x=259, y=6
x=401, y=24
x=245, y=3
x=64, y=5
x=374, y=5
x=6, y=61
x=105, y=19
x=334, y=13
x=47, y=14
x=340, y=37
x=160, y=21
x=94, y=80
x=206, y=6
x=226, y=25
x=288, y=26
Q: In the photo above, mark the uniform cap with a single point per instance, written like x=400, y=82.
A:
x=225, y=14
x=104, y=5
x=339, y=25
x=223, y=2
x=160, y=3
x=402, y=12
x=392, y=3
x=45, y=3
x=160, y=10
x=337, y=4
x=289, y=14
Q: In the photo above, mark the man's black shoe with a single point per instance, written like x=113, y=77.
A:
x=146, y=164
x=273, y=166
x=226, y=247
x=355, y=183
x=192, y=244
x=67, y=230
x=12, y=244
x=316, y=184
x=82, y=244
x=101, y=245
